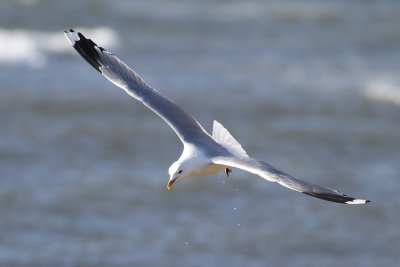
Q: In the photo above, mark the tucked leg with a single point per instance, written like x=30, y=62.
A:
x=227, y=171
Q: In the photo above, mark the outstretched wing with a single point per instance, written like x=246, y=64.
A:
x=271, y=174
x=116, y=71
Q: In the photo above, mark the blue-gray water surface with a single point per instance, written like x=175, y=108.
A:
x=311, y=87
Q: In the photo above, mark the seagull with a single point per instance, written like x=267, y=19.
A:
x=203, y=154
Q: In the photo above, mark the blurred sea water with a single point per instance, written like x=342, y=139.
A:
x=312, y=87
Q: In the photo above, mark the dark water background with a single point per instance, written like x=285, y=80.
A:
x=312, y=87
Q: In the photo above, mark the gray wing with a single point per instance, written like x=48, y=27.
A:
x=116, y=71
x=271, y=174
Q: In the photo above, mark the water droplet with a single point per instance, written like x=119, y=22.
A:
x=238, y=225
x=186, y=243
x=235, y=208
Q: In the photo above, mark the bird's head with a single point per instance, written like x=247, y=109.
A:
x=177, y=171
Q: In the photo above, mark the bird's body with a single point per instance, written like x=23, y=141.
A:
x=197, y=162
x=203, y=154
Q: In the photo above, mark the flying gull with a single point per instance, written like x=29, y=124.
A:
x=203, y=154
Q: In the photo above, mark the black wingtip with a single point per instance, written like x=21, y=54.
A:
x=87, y=49
x=344, y=199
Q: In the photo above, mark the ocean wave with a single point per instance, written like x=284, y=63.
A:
x=383, y=91
x=32, y=48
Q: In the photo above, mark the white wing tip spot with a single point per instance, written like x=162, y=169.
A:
x=358, y=201
x=72, y=36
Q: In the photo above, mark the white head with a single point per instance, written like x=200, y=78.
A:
x=191, y=163
x=177, y=171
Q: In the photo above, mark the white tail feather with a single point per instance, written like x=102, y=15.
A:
x=222, y=136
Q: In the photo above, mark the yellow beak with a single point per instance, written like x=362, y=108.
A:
x=170, y=183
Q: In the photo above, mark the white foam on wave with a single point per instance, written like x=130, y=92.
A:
x=383, y=91
x=31, y=48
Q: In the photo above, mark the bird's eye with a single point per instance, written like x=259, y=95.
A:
x=180, y=171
